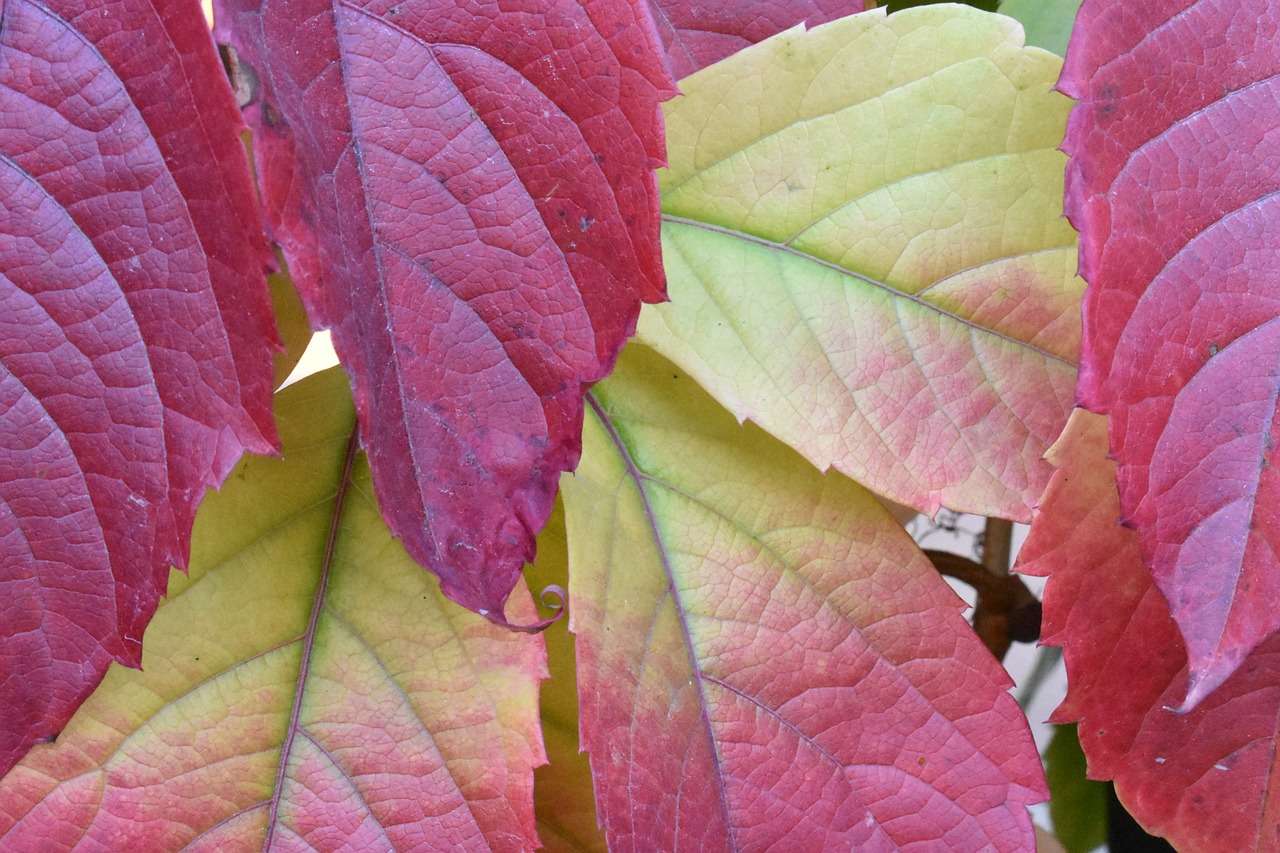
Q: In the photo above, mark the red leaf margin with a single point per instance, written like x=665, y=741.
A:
x=696, y=35
x=1173, y=183
x=1203, y=779
x=137, y=332
x=467, y=200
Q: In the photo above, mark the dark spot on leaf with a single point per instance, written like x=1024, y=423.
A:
x=1213, y=350
x=585, y=223
x=1106, y=100
x=271, y=115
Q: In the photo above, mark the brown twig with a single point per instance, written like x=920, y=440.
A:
x=1006, y=610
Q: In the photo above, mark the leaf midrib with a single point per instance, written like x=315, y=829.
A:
x=865, y=279
x=639, y=478
x=309, y=637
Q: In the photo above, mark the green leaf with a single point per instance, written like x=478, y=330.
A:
x=866, y=255
x=307, y=684
x=1077, y=804
x=765, y=657
x=291, y=322
x=1048, y=22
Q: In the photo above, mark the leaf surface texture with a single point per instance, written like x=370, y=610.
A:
x=135, y=332
x=307, y=687
x=1206, y=779
x=1175, y=167
x=866, y=254
x=766, y=660
x=464, y=193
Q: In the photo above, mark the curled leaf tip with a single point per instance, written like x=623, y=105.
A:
x=553, y=597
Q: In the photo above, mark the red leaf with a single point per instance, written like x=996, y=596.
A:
x=1202, y=778
x=696, y=34
x=1175, y=166
x=465, y=195
x=134, y=332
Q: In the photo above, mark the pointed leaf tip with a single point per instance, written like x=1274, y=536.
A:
x=467, y=201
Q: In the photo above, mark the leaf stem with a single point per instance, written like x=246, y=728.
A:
x=997, y=546
x=1006, y=610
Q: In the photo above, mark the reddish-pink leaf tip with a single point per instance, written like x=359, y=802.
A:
x=466, y=198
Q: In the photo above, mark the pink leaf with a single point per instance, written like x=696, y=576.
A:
x=697, y=33
x=1201, y=778
x=765, y=659
x=465, y=195
x=1175, y=167
x=135, y=328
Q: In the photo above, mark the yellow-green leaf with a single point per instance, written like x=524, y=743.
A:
x=866, y=255
x=563, y=793
x=306, y=687
x=291, y=322
x=766, y=661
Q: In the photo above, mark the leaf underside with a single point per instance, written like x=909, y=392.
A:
x=135, y=332
x=464, y=192
x=764, y=656
x=1173, y=179
x=307, y=686
x=866, y=254
x=1206, y=779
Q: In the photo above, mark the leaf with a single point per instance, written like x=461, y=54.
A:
x=1048, y=22
x=1202, y=779
x=135, y=332
x=563, y=794
x=866, y=256
x=465, y=196
x=306, y=686
x=1077, y=805
x=764, y=654
x=698, y=34
x=291, y=318
x=1173, y=179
